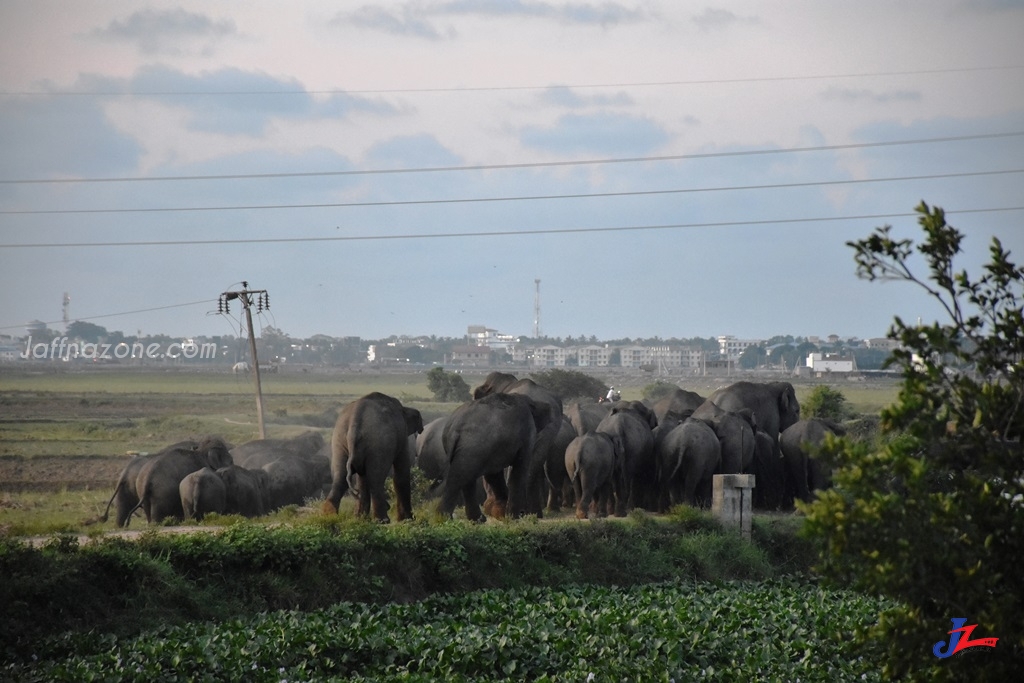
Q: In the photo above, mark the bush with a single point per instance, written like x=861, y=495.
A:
x=447, y=387
x=570, y=384
x=933, y=515
x=656, y=391
x=825, y=402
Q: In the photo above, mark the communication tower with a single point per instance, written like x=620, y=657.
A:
x=536, y=309
x=67, y=310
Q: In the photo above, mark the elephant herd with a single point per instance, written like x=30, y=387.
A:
x=514, y=447
x=511, y=451
x=191, y=479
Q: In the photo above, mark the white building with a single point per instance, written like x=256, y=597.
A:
x=731, y=348
x=593, y=356
x=820, y=363
x=479, y=335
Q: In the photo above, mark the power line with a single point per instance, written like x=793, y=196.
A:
x=535, y=164
x=114, y=315
x=488, y=233
x=589, y=195
x=497, y=88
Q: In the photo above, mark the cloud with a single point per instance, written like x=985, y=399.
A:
x=170, y=32
x=720, y=19
x=236, y=102
x=52, y=136
x=603, y=133
x=421, y=21
x=849, y=95
x=562, y=96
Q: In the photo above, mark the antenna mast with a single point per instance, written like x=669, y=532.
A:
x=536, y=309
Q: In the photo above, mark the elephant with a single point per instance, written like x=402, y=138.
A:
x=433, y=461
x=484, y=437
x=585, y=416
x=257, y=453
x=371, y=440
x=680, y=401
x=125, y=494
x=798, y=443
x=688, y=457
x=159, y=478
x=735, y=432
x=593, y=463
x=500, y=382
x=774, y=404
x=770, y=477
x=430, y=456
x=556, y=480
x=291, y=481
x=246, y=490
x=630, y=429
x=202, y=492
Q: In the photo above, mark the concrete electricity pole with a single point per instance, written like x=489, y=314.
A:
x=262, y=302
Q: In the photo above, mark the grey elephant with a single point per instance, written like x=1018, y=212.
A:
x=125, y=494
x=798, y=443
x=292, y=481
x=246, y=490
x=202, y=492
x=371, y=441
x=586, y=415
x=735, y=432
x=679, y=401
x=631, y=431
x=773, y=404
x=593, y=462
x=688, y=458
x=500, y=382
x=257, y=453
x=770, y=490
x=160, y=477
x=556, y=480
x=482, y=439
x=432, y=461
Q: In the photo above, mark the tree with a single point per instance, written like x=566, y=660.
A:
x=753, y=357
x=86, y=331
x=934, y=515
x=825, y=402
x=447, y=387
x=570, y=384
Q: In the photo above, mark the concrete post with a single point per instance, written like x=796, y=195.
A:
x=731, y=502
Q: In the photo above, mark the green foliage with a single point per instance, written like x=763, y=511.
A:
x=776, y=630
x=825, y=402
x=447, y=387
x=934, y=514
x=123, y=587
x=654, y=392
x=570, y=384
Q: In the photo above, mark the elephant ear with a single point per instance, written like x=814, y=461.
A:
x=413, y=420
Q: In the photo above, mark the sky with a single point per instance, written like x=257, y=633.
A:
x=662, y=168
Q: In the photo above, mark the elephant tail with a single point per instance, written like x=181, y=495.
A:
x=106, y=513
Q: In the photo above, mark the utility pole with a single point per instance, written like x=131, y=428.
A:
x=536, y=309
x=262, y=302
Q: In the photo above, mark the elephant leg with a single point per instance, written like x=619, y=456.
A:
x=577, y=487
x=471, y=502
x=497, y=501
x=585, y=497
x=403, y=489
x=377, y=493
x=339, y=487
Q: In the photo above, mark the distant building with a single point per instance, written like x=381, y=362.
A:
x=731, y=348
x=883, y=343
x=821, y=363
x=550, y=356
x=593, y=356
x=492, y=339
x=476, y=356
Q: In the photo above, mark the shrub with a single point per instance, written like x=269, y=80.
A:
x=825, y=402
x=447, y=387
x=933, y=515
x=570, y=384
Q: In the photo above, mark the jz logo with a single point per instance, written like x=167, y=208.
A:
x=960, y=639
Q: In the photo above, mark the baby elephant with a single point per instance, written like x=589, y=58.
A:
x=202, y=492
x=592, y=463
